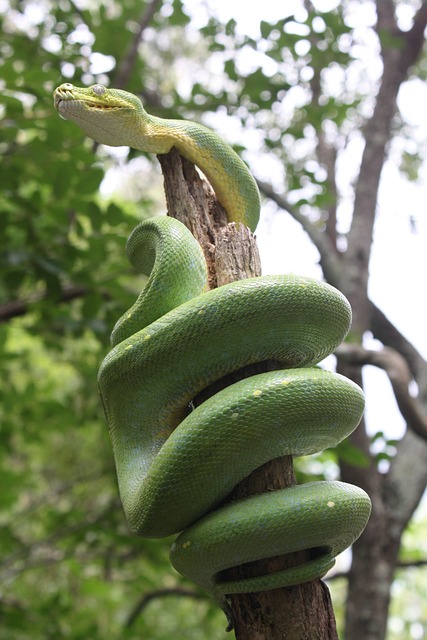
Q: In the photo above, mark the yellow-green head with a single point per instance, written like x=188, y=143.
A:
x=117, y=118
x=108, y=116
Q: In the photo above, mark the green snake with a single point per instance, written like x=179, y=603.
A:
x=117, y=118
x=176, y=464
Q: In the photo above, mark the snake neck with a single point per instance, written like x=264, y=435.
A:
x=234, y=185
x=152, y=134
x=159, y=135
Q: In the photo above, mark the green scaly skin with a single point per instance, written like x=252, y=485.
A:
x=117, y=118
x=175, y=466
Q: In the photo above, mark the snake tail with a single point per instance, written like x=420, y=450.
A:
x=176, y=465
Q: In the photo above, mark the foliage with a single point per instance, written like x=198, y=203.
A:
x=69, y=567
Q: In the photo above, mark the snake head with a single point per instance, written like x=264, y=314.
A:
x=108, y=116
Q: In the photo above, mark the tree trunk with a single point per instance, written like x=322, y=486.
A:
x=295, y=613
x=375, y=553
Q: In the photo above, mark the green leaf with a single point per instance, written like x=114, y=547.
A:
x=352, y=455
x=114, y=214
x=230, y=69
x=91, y=305
x=89, y=181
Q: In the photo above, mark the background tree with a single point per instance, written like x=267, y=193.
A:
x=305, y=93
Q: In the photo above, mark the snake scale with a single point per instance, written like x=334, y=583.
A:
x=176, y=466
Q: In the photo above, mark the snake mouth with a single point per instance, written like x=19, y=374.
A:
x=57, y=101
x=92, y=106
x=63, y=102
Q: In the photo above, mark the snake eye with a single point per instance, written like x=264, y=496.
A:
x=98, y=89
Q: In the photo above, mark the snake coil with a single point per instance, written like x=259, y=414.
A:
x=175, y=466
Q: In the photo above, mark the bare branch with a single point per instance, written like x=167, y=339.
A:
x=407, y=564
x=385, y=331
x=414, y=38
x=399, y=375
x=126, y=66
x=160, y=593
x=386, y=19
x=326, y=153
x=329, y=259
x=44, y=551
x=16, y=308
x=399, y=51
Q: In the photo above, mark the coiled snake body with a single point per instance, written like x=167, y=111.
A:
x=175, y=465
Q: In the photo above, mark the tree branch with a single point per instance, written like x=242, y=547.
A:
x=330, y=261
x=385, y=331
x=399, y=375
x=16, y=308
x=382, y=328
x=405, y=483
x=326, y=153
x=414, y=38
x=31, y=556
x=125, y=69
x=386, y=20
x=404, y=564
x=397, y=60
x=159, y=593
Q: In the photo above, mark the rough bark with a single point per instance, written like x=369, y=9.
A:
x=296, y=613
